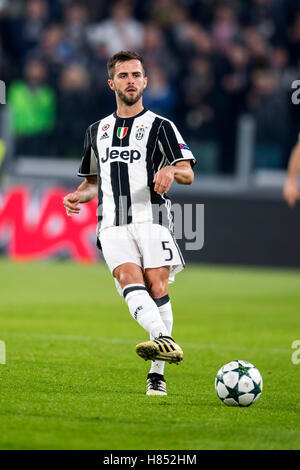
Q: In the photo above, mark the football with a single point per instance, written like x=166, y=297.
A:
x=238, y=383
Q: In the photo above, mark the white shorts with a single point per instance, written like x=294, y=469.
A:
x=146, y=244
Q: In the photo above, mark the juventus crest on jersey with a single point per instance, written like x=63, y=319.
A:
x=125, y=154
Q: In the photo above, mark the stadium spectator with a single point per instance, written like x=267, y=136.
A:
x=155, y=49
x=119, y=32
x=76, y=104
x=75, y=23
x=27, y=30
x=267, y=101
x=199, y=98
x=161, y=12
x=279, y=64
x=257, y=47
x=225, y=28
x=7, y=66
x=159, y=95
x=5, y=27
x=261, y=16
x=189, y=37
x=234, y=81
x=294, y=40
x=98, y=79
x=55, y=50
x=32, y=103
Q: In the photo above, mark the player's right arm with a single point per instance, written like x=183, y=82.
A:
x=88, y=169
x=84, y=193
x=291, y=189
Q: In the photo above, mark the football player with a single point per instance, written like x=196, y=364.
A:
x=131, y=158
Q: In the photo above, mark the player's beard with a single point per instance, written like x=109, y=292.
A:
x=129, y=100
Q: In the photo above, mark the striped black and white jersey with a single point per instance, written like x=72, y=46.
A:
x=125, y=154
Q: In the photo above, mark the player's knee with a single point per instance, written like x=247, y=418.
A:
x=126, y=276
x=157, y=289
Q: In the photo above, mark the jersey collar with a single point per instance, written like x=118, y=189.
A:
x=131, y=117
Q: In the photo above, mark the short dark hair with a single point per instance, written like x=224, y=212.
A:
x=123, y=56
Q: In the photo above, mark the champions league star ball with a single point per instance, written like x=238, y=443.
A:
x=238, y=383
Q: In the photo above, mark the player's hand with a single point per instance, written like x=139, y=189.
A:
x=164, y=179
x=291, y=191
x=71, y=202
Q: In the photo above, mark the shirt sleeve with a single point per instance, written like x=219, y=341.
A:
x=173, y=146
x=88, y=166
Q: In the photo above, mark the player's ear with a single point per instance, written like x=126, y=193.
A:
x=145, y=82
x=111, y=84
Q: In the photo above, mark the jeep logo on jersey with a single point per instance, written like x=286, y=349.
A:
x=121, y=132
x=126, y=155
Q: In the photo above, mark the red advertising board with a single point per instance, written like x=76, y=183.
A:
x=36, y=226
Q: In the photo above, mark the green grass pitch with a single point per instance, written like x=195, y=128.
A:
x=72, y=379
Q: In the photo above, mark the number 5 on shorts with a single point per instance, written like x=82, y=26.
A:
x=168, y=250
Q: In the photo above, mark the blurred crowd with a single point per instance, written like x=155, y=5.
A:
x=208, y=62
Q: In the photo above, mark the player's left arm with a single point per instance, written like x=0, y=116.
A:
x=177, y=154
x=181, y=172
